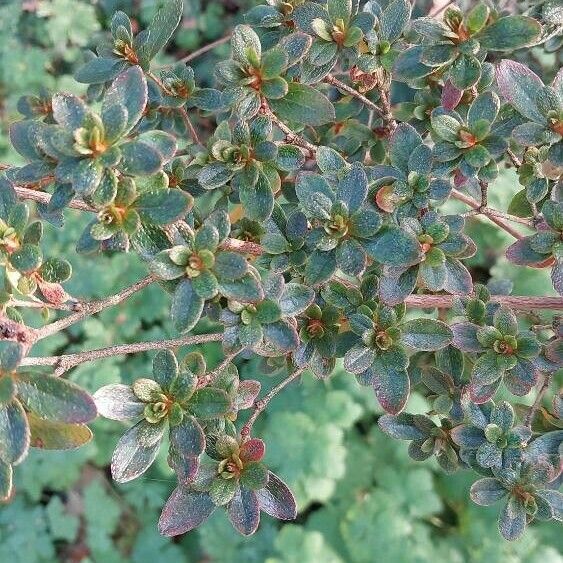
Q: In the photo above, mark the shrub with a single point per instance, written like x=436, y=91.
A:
x=315, y=223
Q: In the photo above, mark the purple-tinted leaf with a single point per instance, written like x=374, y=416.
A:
x=136, y=450
x=244, y=511
x=118, y=402
x=187, y=437
x=465, y=337
x=458, y=279
x=184, y=510
x=521, y=378
x=467, y=436
x=401, y=427
x=246, y=394
x=392, y=384
x=512, y=519
x=393, y=290
x=489, y=455
x=276, y=499
x=554, y=499
x=503, y=415
x=451, y=96
x=482, y=393
x=487, y=491
x=521, y=253
x=487, y=369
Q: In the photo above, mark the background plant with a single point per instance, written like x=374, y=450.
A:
x=139, y=206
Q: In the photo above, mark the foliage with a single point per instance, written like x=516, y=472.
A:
x=307, y=229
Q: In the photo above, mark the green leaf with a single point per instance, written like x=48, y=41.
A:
x=512, y=520
x=209, y=403
x=244, y=511
x=230, y=265
x=245, y=45
x=304, y=105
x=408, y=65
x=339, y=9
x=465, y=72
x=487, y=369
x=403, y=142
x=223, y=490
x=55, y=270
x=295, y=299
x=394, y=247
x=329, y=160
x=426, y=334
x=352, y=187
x=246, y=289
x=281, y=335
x=68, y=111
x=140, y=159
x=55, y=399
x=49, y=435
x=129, y=89
x=394, y=19
x=98, y=70
x=509, y=33
x=186, y=307
x=164, y=206
x=320, y=267
x=162, y=27
x=257, y=200
x=274, y=62
x=14, y=433
x=254, y=476
x=27, y=258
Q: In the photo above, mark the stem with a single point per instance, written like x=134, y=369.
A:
x=331, y=79
x=198, y=52
x=232, y=244
x=291, y=137
x=93, y=307
x=519, y=302
x=513, y=158
x=72, y=305
x=191, y=129
x=207, y=378
x=498, y=217
x=261, y=404
x=67, y=361
x=537, y=403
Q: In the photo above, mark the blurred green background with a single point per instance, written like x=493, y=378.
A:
x=361, y=498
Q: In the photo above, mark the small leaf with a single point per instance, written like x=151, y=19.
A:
x=512, y=519
x=118, y=402
x=244, y=511
x=162, y=27
x=184, y=510
x=426, y=334
x=209, y=403
x=5, y=481
x=487, y=491
x=54, y=398
x=509, y=33
x=186, y=307
x=304, y=105
x=394, y=247
x=136, y=450
x=49, y=435
x=276, y=499
x=14, y=433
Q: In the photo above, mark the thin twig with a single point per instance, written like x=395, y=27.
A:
x=291, y=137
x=232, y=244
x=191, y=129
x=331, y=79
x=518, y=302
x=513, y=158
x=537, y=403
x=71, y=305
x=498, y=217
x=91, y=308
x=67, y=361
x=210, y=376
x=198, y=52
x=261, y=404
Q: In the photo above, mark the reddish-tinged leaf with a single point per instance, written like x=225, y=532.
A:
x=244, y=511
x=451, y=96
x=184, y=511
x=276, y=499
x=252, y=450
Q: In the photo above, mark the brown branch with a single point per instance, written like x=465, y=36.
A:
x=498, y=217
x=230, y=244
x=198, y=52
x=331, y=79
x=190, y=127
x=291, y=137
x=261, y=404
x=513, y=158
x=67, y=361
x=91, y=308
x=519, y=302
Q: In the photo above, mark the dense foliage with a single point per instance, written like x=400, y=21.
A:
x=316, y=222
